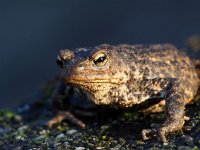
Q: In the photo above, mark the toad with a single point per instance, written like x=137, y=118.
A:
x=157, y=76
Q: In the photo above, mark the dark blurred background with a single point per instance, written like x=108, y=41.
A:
x=32, y=33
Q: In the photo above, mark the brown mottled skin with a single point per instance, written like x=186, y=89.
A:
x=159, y=76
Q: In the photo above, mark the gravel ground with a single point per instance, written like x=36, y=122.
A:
x=25, y=128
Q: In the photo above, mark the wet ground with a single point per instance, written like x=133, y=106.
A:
x=25, y=128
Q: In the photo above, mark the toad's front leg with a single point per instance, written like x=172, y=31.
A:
x=175, y=110
x=65, y=115
x=61, y=93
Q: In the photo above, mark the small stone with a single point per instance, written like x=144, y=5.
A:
x=187, y=139
x=22, y=128
x=39, y=138
x=91, y=145
x=2, y=130
x=71, y=132
x=80, y=148
x=118, y=146
x=66, y=144
x=44, y=132
x=56, y=145
x=6, y=130
x=18, y=118
x=184, y=148
x=104, y=127
x=60, y=136
x=100, y=147
x=115, y=141
x=20, y=137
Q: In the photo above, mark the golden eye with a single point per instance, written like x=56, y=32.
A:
x=100, y=59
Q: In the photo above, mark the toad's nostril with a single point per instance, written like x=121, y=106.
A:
x=59, y=62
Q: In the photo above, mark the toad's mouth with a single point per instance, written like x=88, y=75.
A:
x=85, y=81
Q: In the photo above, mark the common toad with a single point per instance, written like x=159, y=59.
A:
x=158, y=77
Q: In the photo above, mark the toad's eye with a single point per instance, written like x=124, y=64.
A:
x=100, y=59
x=60, y=62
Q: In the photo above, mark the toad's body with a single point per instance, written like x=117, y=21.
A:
x=129, y=75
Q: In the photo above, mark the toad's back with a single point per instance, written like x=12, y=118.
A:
x=161, y=61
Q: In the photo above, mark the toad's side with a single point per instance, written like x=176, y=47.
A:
x=157, y=76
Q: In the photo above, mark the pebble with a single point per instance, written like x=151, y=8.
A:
x=6, y=130
x=60, y=136
x=56, y=145
x=20, y=137
x=66, y=144
x=80, y=148
x=183, y=148
x=100, y=147
x=187, y=139
x=2, y=130
x=39, y=138
x=118, y=146
x=71, y=132
x=104, y=127
x=22, y=128
x=44, y=132
x=18, y=118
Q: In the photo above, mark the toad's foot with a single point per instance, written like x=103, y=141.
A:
x=65, y=115
x=175, y=112
x=146, y=132
x=153, y=132
x=161, y=132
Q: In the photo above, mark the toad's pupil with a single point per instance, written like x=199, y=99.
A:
x=101, y=59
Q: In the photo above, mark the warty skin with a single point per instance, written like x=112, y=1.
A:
x=129, y=75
